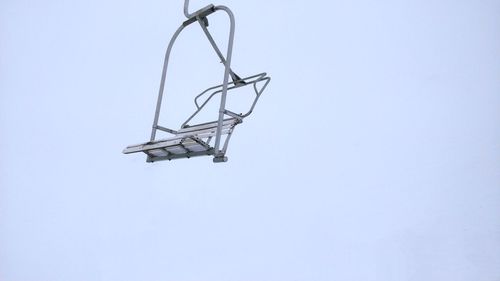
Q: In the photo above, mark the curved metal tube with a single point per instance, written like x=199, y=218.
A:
x=162, y=83
x=186, y=7
x=261, y=77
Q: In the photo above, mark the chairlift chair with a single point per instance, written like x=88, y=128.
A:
x=196, y=140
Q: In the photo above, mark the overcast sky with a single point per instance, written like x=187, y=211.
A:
x=374, y=154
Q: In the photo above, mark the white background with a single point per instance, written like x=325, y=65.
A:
x=374, y=154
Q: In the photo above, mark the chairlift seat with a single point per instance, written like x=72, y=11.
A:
x=190, y=141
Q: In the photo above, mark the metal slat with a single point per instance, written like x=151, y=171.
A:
x=180, y=156
x=159, y=152
x=210, y=125
x=150, y=146
x=189, y=137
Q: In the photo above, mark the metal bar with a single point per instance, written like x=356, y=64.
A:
x=226, y=78
x=162, y=83
x=180, y=156
x=150, y=146
x=200, y=142
x=166, y=130
x=201, y=132
x=216, y=48
x=186, y=8
x=206, y=134
x=200, y=107
x=258, y=93
x=232, y=114
x=208, y=126
x=261, y=76
x=200, y=14
x=227, y=140
x=212, y=41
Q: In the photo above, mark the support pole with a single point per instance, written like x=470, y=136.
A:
x=186, y=7
x=218, y=153
x=162, y=83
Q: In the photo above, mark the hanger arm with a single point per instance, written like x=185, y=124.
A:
x=186, y=8
x=191, y=15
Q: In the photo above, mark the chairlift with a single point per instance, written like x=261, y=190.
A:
x=196, y=140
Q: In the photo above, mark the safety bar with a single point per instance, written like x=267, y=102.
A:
x=256, y=79
x=237, y=85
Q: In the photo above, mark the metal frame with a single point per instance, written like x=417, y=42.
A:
x=200, y=16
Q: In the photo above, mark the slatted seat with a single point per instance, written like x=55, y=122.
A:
x=188, y=142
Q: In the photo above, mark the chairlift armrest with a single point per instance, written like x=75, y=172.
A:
x=253, y=79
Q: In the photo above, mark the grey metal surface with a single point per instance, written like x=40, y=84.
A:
x=218, y=152
x=186, y=9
